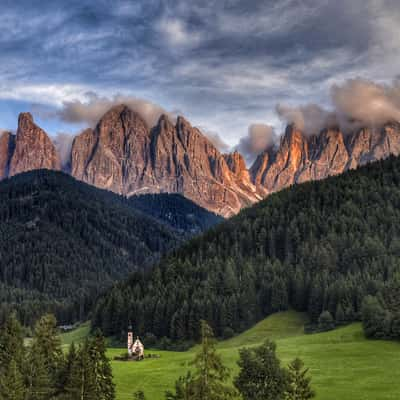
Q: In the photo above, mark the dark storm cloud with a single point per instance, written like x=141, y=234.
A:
x=225, y=64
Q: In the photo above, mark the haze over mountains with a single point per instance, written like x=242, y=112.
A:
x=125, y=155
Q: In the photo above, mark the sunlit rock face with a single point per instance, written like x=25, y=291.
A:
x=33, y=148
x=7, y=143
x=302, y=158
x=123, y=155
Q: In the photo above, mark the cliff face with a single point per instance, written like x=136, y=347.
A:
x=7, y=143
x=123, y=155
x=33, y=148
x=300, y=158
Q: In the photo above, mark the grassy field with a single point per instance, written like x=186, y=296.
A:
x=343, y=364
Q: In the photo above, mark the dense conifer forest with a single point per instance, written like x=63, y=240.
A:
x=176, y=211
x=319, y=247
x=62, y=242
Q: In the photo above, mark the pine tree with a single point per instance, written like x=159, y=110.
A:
x=47, y=342
x=104, y=387
x=11, y=343
x=261, y=375
x=299, y=383
x=11, y=383
x=71, y=375
x=210, y=373
x=39, y=379
x=209, y=376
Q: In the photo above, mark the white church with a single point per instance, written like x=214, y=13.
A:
x=135, y=348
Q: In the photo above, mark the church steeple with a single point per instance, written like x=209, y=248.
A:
x=130, y=340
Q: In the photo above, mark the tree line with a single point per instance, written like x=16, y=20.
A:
x=40, y=370
x=319, y=247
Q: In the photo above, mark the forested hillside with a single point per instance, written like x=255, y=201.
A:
x=176, y=211
x=62, y=242
x=319, y=247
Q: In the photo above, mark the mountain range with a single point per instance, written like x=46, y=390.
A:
x=124, y=155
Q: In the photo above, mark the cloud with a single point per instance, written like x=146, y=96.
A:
x=176, y=33
x=91, y=110
x=216, y=140
x=360, y=102
x=259, y=137
x=63, y=143
x=309, y=118
x=356, y=103
x=215, y=60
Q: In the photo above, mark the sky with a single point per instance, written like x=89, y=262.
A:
x=239, y=70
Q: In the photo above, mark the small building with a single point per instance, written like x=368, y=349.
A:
x=135, y=348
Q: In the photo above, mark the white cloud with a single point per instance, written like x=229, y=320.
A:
x=63, y=143
x=94, y=107
x=176, y=33
x=309, y=118
x=49, y=94
x=359, y=102
x=259, y=138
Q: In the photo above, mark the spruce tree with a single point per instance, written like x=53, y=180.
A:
x=261, y=375
x=11, y=383
x=210, y=373
x=40, y=385
x=71, y=375
x=47, y=342
x=11, y=343
x=299, y=382
x=208, y=381
x=104, y=387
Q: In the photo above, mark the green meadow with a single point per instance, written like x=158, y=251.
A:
x=343, y=364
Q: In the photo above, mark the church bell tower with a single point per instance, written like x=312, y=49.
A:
x=130, y=339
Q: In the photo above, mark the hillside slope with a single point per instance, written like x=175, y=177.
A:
x=62, y=242
x=317, y=246
x=343, y=364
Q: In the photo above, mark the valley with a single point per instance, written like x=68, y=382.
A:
x=343, y=364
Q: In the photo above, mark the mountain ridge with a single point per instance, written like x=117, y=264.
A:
x=123, y=154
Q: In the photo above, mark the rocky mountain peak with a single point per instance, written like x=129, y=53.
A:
x=235, y=162
x=300, y=158
x=25, y=119
x=124, y=155
x=33, y=148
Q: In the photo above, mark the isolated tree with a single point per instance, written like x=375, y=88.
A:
x=208, y=381
x=210, y=374
x=261, y=375
x=299, y=387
